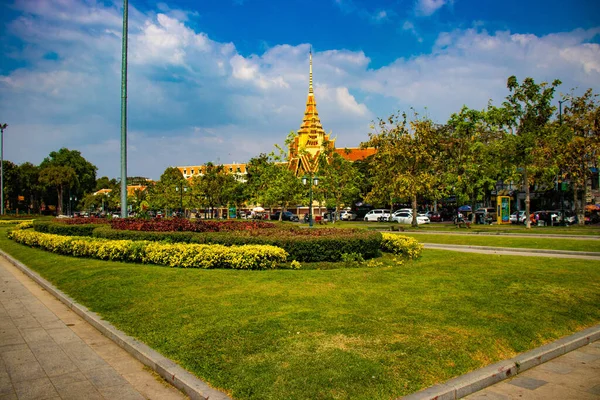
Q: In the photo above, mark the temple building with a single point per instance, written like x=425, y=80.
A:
x=306, y=147
x=311, y=138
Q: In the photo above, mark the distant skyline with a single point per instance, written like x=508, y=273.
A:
x=223, y=81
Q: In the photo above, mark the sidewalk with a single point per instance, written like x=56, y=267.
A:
x=515, y=251
x=49, y=352
x=575, y=375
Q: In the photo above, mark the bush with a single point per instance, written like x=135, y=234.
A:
x=13, y=221
x=303, y=245
x=185, y=225
x=60, y=228
x=81, y=220
x=173, y=255
x=398, y=244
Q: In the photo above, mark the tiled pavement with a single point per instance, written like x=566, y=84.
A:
x=573, y=376
x=49, y=352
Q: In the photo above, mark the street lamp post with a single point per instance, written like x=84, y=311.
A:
x=2, y=128
x=562, y=194
x=310, y=181
x=181, y=189
x=124, y=113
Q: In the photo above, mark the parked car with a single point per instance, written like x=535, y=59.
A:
x=377, y=215
x=407, y=218
x=347, y=215
x=517, y=217
x=287, y=216
x=546, y=217
x=435, y=217
x=485, y=215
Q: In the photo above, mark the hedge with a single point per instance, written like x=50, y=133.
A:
x=172, y=255
x=398, y=244
x=13, y=221
x=302, y=245
x=60, y=228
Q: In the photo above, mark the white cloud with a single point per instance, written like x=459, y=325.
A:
x=428, y=7
x=193, y=99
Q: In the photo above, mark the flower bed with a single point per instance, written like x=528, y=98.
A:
x=61, y=228
x=304, y=245
x=185, y=225
x=398, y=244
x=81, y=220
x=172, y=255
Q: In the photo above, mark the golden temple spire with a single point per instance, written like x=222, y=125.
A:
x=310, y=81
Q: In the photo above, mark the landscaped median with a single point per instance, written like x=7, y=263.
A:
x=301, y=245
x=343, y=333
x=242, y=249
x=172, y=255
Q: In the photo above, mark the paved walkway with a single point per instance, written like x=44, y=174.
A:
x=512, y=251
x=49, y=352
x=573, y=376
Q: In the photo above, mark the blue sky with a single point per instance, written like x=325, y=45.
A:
x=224, y=80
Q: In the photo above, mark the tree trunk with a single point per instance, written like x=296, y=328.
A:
x=60, y=199
x=414, y=208
x=579, y=207
x=527, y=200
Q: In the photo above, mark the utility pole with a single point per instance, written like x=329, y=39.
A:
x=2, y=128
x=124, y=115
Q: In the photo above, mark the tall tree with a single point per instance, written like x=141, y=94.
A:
x=59, y=178
x=472, y=146
x=85, y=172
x=165, y=194
x=407, y=158
x=338, y=178
x=580, y=145
x=29, y=186
x=529, y=109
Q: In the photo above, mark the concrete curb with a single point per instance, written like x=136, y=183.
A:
x=515, y=234
x=472, y=382
x=514, y=249
x=195, y=388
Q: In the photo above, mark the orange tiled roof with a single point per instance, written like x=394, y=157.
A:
x=356, y=153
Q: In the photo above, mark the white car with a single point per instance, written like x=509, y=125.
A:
x=517, y=217
x=377, y=215
x=407, y=218
x=347, y=216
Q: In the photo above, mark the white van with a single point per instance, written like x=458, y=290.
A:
x=378, y=215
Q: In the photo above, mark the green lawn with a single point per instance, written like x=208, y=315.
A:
x=354, y=333
x=587, y=230
x=546, y=243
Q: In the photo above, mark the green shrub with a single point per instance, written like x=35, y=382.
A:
x=302, y=245
x=172, y=255
x=398, y=244
x=59, y=228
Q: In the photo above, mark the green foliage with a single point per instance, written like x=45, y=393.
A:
x=301, y=244
x=407, y=161
x=339, y=179
x=398, y=244
x=173, y=255
x=64, y=229
x=84, y=180
x=58, y=177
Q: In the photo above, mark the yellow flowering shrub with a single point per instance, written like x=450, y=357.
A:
x=25, y=225
x=180, y=255
x=14, y=221
x=398, y=244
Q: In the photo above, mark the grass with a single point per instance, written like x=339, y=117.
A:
x=360, y=333
x=545, y=243
x=587, y=230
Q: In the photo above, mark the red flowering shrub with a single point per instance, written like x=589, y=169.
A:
x=185, y=225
